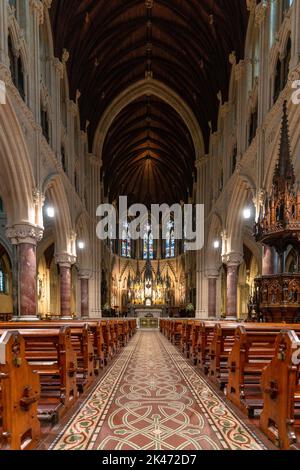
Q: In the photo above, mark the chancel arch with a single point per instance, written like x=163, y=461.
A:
x=15, y=173
x=137, y=90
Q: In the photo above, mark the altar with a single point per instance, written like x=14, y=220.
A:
x=148, y=317
x=148, y=312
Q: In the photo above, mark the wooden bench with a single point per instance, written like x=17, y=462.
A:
x=205, y=338
x=194, y=348
x=50, y=353
x=186, y=337
x=82, y=344
x=221, y=345
x=253, y=349
x=19, y=395
x=280, y=417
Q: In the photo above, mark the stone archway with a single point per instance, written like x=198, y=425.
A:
x=149, y=87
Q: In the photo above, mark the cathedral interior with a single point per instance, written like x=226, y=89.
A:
x=164, y=102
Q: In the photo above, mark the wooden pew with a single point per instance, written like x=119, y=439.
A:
x=19, y=395
x=186, y=337
x=107, y=342
x=253, y=349
x=50, y=353
x=195, y=341
x=204, y=340
x=219, y=349
x=176, y=332
x=280, y=417
x=82, y=344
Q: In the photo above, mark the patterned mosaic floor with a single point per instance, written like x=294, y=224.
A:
x=153, y=399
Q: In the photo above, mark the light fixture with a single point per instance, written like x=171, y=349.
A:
x=81, y=245
x=50, y=212
x=247, y=213
x=216, y=244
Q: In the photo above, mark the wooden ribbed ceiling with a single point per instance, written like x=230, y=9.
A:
x=114, y=43
x=149, y=154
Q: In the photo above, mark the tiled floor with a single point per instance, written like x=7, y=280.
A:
x=152, y=398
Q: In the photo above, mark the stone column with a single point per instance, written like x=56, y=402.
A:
x=65, y=263
x=26, y=237
x=240, y=72
x=56, y=138
x=201, y=281
x=295, y=34
x=3, y=33
x=98, y=246
x=84, y=293
x=233, y=262
x=212, y=294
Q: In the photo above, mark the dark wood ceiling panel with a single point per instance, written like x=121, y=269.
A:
x=149, y=152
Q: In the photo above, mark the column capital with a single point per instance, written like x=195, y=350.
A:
x=24, y=233
x=200, y=162
x=240, y=69
x=260, y=13
x=65, y=260
x=85, y=274
x=212, y=273
x=232, y=259
x=38, y=8
x=251, y=4
x=59, y=67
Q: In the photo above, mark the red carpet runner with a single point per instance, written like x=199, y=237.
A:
x=153, y=399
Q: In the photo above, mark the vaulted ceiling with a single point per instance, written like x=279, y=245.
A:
x=149, y=154
x=183, y=43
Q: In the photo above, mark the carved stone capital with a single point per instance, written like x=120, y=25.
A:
x=251, y=4
x=232, y=259
x=212, y=273
x=85, y=274
x=200, y=162
x=59, y=67
x=24, y=233
x=47, y=3
x=65, y=260
x=38, y=9
x=65, y=56
x=240, y=69
x=260, y=13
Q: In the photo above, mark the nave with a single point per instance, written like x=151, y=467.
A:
x=152, y=398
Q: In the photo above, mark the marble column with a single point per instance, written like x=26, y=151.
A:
x=212, y=296
x=65, y=263
x=84, y=290
x=201, y=280
x=233, y=262
x=26, y=237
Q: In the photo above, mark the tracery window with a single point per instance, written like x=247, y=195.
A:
x=148, y=249
x=126, y=245
x=170, y=241
x=3, y=278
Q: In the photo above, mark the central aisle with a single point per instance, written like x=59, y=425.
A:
x=152, y=398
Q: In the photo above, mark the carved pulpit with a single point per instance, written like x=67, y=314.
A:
x=277, y=293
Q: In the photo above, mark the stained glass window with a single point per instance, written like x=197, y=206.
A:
x=170, y=241
x=148, y=248
x=2, y=279
x=126, y=243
